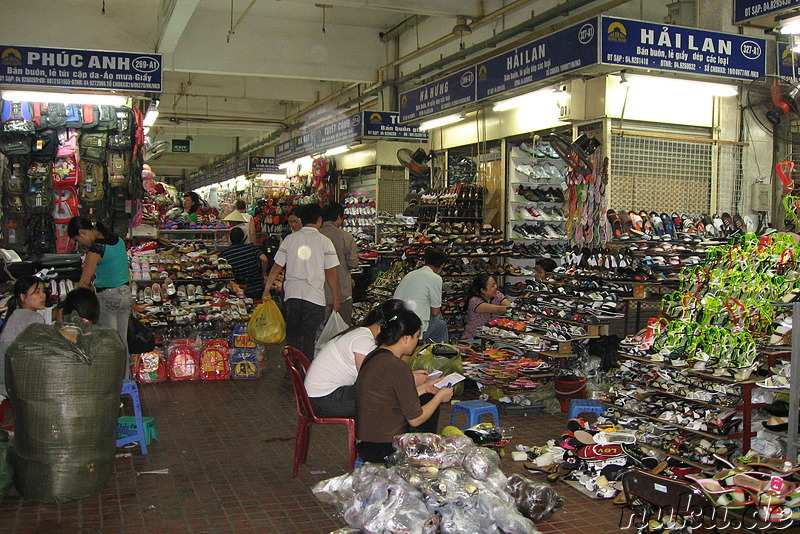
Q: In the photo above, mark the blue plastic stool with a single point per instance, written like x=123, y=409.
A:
x=133, y=434
x=474, y=410
x=579, y=406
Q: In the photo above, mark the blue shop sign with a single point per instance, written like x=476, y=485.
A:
x=633, y=43
x=747, y=9
x=285, y=151
x=449, y=92
x=564, y=51
x=788, y=62
x=262, y=164
x=80, y=69
x=338, y=133
x=387, y=125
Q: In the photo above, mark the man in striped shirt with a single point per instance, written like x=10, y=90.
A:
x=248, y=262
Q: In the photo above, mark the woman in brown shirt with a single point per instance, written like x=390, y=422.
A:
x=387, y=392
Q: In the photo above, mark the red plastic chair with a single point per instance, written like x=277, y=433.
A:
x=295, y=362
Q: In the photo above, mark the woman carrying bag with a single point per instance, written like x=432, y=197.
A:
x=106, y=262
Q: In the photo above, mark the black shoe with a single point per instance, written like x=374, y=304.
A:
x=778, y=408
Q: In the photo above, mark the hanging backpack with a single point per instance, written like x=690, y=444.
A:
x=39, y=193
x=41, y=234
x=67, y=142
x=39, y=111
x=92, y=184
x=65, y=205
x=17, y=117
x=73, y=116
x=214, y=360
x=15, y=144
x=64, y=245
x=119, y=169
x=15, y=232
x=122, y=138
x=93, y=146
x=14, y=181
x=119, y=222
x=66, y=172
x=138, y=133
x=49, y=115
x=90, y=115
x=45, y=145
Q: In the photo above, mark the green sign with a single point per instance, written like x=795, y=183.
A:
x=180, y=145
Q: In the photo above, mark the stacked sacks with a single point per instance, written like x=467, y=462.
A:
x=65, y=402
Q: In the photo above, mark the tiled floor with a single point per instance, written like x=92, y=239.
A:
x=228, y=449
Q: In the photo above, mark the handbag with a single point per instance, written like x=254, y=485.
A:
x=140, y=337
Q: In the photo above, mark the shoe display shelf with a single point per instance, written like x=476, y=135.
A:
x=210, y=237
x=691, y=410
x=505, y=371
x=632, y=225
x=460, y=203
x=535, y=200
x=359, y=212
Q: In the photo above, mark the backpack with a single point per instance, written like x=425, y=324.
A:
x=67, y=142
x=214, y=361
x=119, y=222
x=65, y=205
x=41, y=234
x=92, y=185
x=49, y=115
x=66, y=172
x=14, y=182
x=138, y=133
x=64, y=245
x=183, y=360
x=119, y=169
x=90, y=116
x=123, y=137
x=45, y=145
x=106, y=118
x=93, y=146
x=15, y=144
x=73, y=116
x=17, y=116
x=245, y=364
x=39, y=193
x=149, y=367
x=15, y=232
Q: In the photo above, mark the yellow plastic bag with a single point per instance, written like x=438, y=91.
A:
x=267, y=325
x=438, y=357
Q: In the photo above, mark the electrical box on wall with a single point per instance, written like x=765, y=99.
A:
x=760, y=200
x=571, y=96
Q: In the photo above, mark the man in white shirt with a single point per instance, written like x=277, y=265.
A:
x=310, y=261
x=421, y=290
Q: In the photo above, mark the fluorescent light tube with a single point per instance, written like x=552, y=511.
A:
x=337, y=150
x=65, y=98
x=441, y=121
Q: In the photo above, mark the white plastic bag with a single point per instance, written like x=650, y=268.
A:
x=334, y=325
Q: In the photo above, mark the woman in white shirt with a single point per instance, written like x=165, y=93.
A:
x=330, y=381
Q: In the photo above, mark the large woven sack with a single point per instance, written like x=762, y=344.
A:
x=65, y=400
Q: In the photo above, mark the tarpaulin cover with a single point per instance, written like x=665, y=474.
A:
x=65, y=399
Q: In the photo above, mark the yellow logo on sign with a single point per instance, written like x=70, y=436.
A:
x=482, y=73
x=11, y=57
x=403, y=101
x=786, y=57
x=375, y=118
x=617, y=32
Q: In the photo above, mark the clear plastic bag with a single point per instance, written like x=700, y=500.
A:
x=334, y=325
x=535, y=500
x=480, y=462
x=267, y=325
x=417, y=449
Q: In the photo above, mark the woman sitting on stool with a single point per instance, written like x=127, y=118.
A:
x=387, y=392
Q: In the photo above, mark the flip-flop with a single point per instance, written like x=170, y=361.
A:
x=728, y=222
x=627, y=224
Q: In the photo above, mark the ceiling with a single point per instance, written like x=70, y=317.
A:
x=237, y=71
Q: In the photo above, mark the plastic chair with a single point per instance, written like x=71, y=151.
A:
x=297, y=365
x=474, y=410
x=653, y=496
x=137, y=434
x=579, y=406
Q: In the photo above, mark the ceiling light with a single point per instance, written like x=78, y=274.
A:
x=461, y=27
x=152, y=114
x=540, y=98
x=337, y=150
x=66, y=98
x=790, y=25
x=441, y=121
